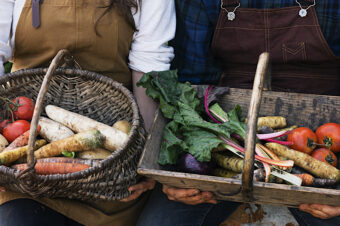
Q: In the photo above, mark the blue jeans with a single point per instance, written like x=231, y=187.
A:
x=31, y=213
x=160, y=211
x=306, y=219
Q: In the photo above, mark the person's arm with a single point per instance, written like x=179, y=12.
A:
x=196, y=21
x=146, y=105
x=156, y=24
x=321, y=211
x=6, y=15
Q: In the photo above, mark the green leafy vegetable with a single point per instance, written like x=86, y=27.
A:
x=187, y=130
x=8, y=67
x=69, y=154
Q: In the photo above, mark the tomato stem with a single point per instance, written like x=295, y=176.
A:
x=9, y=106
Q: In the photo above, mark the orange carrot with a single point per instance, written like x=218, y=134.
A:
x=90, y=162
x=20, y=141
x=309, y=180
x=47, y=168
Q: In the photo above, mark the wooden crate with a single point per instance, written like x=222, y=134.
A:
x=299, y=109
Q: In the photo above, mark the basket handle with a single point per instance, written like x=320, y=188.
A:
x=38, y=106
x=248, y=168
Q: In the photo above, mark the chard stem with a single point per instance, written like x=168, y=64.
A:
x=273, y=135
x=281, y=163
x=287, y=143
x=206, y=105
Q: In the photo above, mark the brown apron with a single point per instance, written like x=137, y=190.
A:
x=301, y=60
x=70, y=24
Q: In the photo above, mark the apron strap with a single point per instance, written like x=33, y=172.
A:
x=36, y=13
x=235, y=2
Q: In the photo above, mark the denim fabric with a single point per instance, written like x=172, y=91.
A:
x=160, y=211
x=28, y=212
x=306, y=219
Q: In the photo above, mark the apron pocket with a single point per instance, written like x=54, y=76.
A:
x=294, y=52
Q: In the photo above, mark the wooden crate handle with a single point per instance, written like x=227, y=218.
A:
x=248, y=168
x=38, y=107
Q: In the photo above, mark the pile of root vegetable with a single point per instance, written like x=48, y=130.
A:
x=67, y=142
x=200, y=137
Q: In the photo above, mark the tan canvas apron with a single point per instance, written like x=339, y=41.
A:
x=301, y=59
x=70, y=24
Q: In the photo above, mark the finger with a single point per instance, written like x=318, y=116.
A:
x=305, y=208
x=133, y=196
x=319, y=214
x=2, y=189
x=317, y=207
x=197, y=199
x=144, y=185
x=316, y=210
x=212, y=201
x=191, y=199
x=179, y=193
x=330, y=211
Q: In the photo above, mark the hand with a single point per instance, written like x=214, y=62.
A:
x=137, y=189
x=321, y=211
x=188, y=196
x=2, y=189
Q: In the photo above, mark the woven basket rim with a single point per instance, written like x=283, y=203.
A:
x=136, y=121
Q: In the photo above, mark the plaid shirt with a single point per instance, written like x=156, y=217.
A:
x=196, y=21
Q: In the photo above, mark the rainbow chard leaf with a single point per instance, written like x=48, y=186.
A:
x=186, y=131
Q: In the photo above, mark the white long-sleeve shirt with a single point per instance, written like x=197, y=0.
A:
x=155, y=22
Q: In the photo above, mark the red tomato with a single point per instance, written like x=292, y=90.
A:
x=15, y=129
x=25, y=108
x=325, y=155
x=303, y=139
x=329, y=134
x=3, y=124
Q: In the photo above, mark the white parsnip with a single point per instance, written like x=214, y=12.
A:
x=3, y=143
x=114, y=138
x=52, y=130
x=98, y=153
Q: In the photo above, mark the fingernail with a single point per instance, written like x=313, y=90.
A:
x=207, y=195
x=196, y=192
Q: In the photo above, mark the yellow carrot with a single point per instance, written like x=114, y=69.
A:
x=273, y=122
x=220, y=172
x=305, y=161
x=14, y=154
x=83, y=141
x=230, y=163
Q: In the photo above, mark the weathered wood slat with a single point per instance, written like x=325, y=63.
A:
x=299, y=109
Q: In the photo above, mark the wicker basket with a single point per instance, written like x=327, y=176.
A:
x=89, y=94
